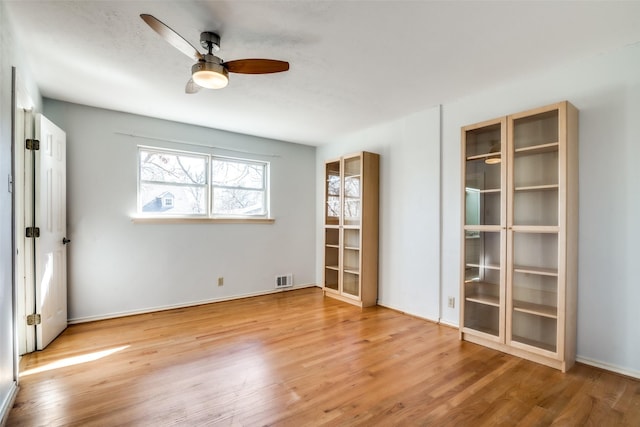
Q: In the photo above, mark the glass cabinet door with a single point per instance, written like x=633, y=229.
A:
x=533, y=230
x=351, y=261
x=352, y=194
x=484, y=223
x=331, y=257
x=332, y=192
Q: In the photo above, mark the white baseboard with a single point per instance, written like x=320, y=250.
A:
x=85, y=319
x=609, y=367
x=399, y=310
x=7, y=404
x=449, y=324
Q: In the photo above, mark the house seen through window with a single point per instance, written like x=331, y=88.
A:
x=187, y=184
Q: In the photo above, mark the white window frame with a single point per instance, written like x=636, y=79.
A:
x=265, y=186
x=209, y=215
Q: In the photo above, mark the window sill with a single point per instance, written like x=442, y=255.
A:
x=174, y=220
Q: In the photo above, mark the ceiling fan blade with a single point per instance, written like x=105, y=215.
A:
x=256, y=66
x=192, y=87
x=173, y=38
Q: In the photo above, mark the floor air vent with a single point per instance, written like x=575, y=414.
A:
x=285, y=281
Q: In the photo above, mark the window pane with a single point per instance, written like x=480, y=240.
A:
x=173, y=167
x=238, y=202
x=237, y=174
x=173, y=200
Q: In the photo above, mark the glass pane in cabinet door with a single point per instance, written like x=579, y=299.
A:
x=351, y=262
x=350, y=284
x=536, y=253
x=352, y=191
x=536, y=130
x=536, y=189
x=331, y=278
x=536, y=293
x=332, y=191
x=484, y=142
x=483, y=176
x=536, y=207
x=331, y=257
x=482, y=282
x=534, y=330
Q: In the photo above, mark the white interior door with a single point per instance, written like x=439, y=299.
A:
x=51, y=218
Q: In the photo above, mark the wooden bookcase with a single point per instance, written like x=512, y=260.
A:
x=519, y=239
x=351, y=229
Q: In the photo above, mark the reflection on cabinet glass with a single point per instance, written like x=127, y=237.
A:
x=332, y=191
x=520, y=234
x=351, y=229
x=352, y=191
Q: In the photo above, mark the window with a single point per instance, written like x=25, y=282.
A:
x=184, y=184
x=239, y=187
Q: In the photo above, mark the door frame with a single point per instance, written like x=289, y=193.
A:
x=23, y=217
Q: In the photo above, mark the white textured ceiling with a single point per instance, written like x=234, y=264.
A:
x=353, y=63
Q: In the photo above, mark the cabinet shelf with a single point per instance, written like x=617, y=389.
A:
x=484, y=299
x=546, y=229
x=352, y=270
x=352, y=248
x=332, y=267
x=332, y=246
x=485, y=228
x=536, y=270
x=536, y=309
x=534, y=343
x=485, y=191
x=538, y=187
x=487, y=266
x=537, y=149
x=482, y=156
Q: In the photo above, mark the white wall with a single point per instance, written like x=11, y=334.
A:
x=409, y=263
x=116, y=266
x=8, y=59
x=606, y=90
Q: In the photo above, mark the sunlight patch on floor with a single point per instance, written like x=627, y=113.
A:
x=74, y=360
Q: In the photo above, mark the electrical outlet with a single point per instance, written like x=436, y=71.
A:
x=452, y=302
x=220, y=281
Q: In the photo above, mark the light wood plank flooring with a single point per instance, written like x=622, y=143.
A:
x=298, y=359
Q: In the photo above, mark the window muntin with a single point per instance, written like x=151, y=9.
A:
x=180, y=184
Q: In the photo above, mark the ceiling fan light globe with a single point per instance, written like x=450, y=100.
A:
x=210, y=75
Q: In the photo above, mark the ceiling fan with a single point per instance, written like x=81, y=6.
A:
x=210, y=71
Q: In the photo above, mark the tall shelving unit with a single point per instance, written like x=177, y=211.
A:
x=351, y=229
x=519, y=262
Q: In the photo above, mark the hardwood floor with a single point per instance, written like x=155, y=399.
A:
x=298, y=359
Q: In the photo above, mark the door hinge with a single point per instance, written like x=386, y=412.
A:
x=33, y=232
x=32, y=144
x=33, y=319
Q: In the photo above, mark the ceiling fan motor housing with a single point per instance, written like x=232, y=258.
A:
x=208, y=38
